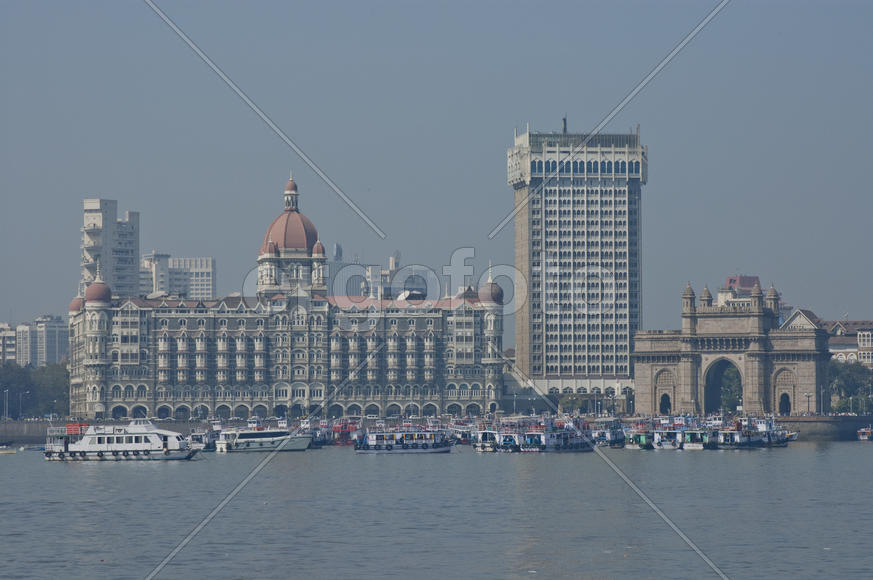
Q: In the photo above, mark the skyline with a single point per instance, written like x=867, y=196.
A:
x=384, y=125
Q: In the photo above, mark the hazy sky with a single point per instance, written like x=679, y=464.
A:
x=758, y=132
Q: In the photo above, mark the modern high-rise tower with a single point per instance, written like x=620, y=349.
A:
x=113, y=244
x=577, y=247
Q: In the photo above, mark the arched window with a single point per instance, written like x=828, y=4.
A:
x=575, y=167
x=594, y=167
x=636, y=167
x=609, y=166
x=539, y=166
x=623, y=167
x=603, y=167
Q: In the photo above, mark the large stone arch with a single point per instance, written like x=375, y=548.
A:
x=354, y=410
x=785, y=386
x=222, y=411
x=182, y=413
x=711, y=383
x=373, y=409
x=164, y=412
x=260, y=411
x=139, y=412
x=455, y=409
x=201, y=411
x=430, y=410
x=393, y=409
x=664, y=384
x=335, y=410
x=119, y=412
x=473, y=410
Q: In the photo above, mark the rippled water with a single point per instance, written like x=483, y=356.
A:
x=804, y=511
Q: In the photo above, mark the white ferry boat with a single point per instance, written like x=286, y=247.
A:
x=381, y=441
x=257, y=437
x=138, y=441
x=865, y=433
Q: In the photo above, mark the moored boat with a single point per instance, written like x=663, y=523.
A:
x=865, y=433
x=669, y=439
x=138, y=441
x=257, y=437
x=484, y=440
x=697, y=439
x=404, y=440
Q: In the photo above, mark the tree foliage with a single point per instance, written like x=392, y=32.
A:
x=852, y=384
x=38, y=391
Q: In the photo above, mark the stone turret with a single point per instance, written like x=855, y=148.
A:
x=689, y=310
x=706, y=296
x=757, y=298
x=688, y=299
x=771, y=300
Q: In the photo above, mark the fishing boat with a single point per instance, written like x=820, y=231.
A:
x=404, y=440
x=138, y=441
x=484, y=440
x=697, y=439
x=257, y=437
x=865, y=433
x=344, y=431
x=668, y=439
x=568, y=440
x=533, y=441
x=737, y=438
x=640, y=439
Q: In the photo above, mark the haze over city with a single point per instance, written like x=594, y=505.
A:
x=756, y=133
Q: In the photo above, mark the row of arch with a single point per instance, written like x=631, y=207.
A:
x=592, y=167
x=242, y=411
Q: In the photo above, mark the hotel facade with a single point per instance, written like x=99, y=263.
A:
x=290, y=350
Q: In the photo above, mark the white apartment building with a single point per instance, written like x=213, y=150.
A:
x=577, y=250
x=7, y=343
x=41, y=342
x=181, y=277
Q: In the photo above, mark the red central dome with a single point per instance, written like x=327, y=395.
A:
x=290, y=231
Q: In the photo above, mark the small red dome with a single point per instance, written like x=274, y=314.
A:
x=318, y=249
x=77, y=304
x=290, y=186
x=98, y=291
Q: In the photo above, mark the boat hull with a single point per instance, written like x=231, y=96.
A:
x=75, y=456
x=295, y=443
x=399, y=450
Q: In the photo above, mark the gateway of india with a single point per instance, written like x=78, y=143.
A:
x=782, y=367
x=288, y=351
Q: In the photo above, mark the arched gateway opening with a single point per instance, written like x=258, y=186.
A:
x=664, y=406
x=724, y=388
x=784, y=404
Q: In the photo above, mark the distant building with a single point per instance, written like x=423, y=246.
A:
x=850, y=340
x=737, y=289
x=41, y=342
x=372, y=280
x=113, y=244
x=179, y=277
x=577, y=250
x=7, y=343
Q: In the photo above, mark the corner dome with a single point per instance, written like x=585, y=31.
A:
x=98, y=291
x=77, y=304
x=318, y=249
